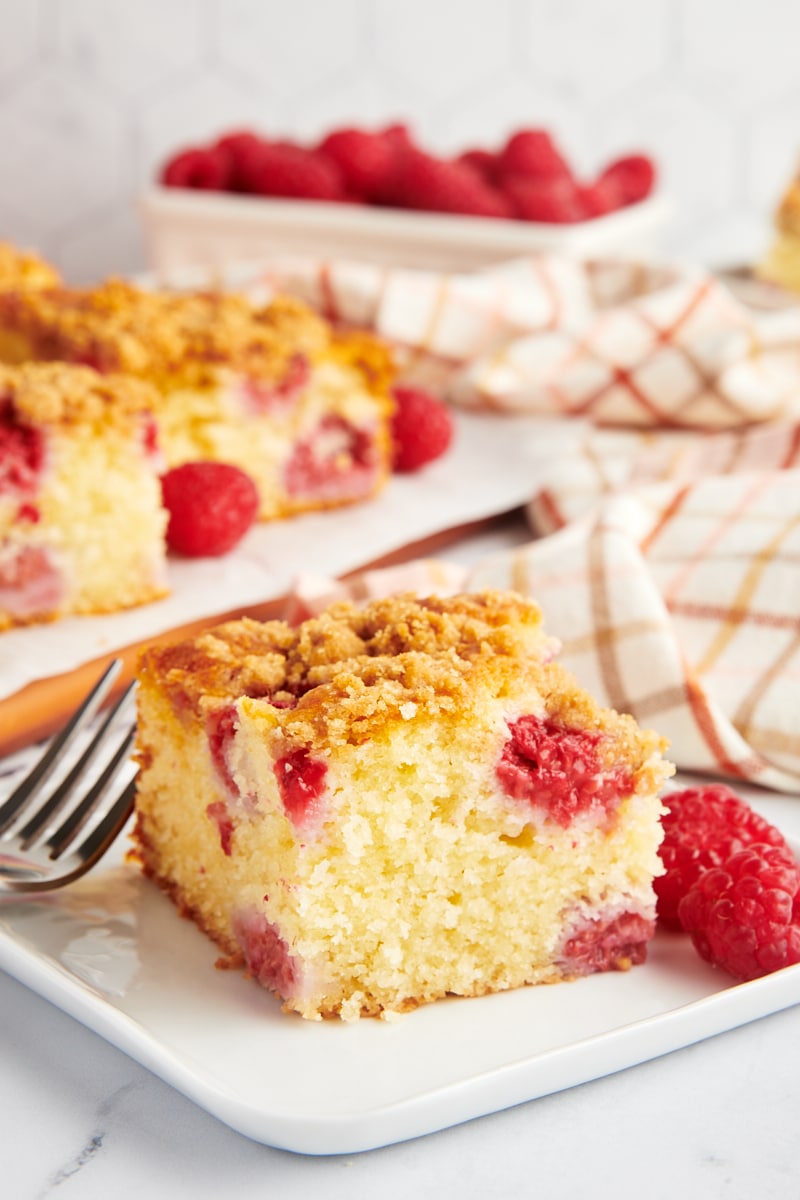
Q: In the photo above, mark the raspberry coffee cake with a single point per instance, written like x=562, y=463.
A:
x=23, y=269
x=388, y=805
x=273, y=390
x=81, y=522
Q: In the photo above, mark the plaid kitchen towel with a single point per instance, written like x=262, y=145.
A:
x=678, y=603
x=619, y=343
x=667, y=549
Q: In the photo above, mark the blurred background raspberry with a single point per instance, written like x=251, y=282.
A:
x=96, y=94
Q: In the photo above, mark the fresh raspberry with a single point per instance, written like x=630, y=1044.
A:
x=197, y=167
x=366, y=161
x=703, y=828
x=481, y=161
x=634, y=175
x=211, y=506
x=283, y=169
x=433, y=184
x=241, y=149
x=422, y=428
x=744, y=915
x=559, y=769
x=552, y=201
x=533, y=154
x=399, y=135
x=599, y=198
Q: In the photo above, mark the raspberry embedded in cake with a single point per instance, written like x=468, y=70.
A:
x=279, y=395
x=22, y=452
x=607, y=943
x=265, y=953
x=31, y=582
x=336, y=460
x=560, y=771
x=402, y=828
x=301, y=783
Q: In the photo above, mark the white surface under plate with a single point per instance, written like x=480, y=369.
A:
x=113, y=952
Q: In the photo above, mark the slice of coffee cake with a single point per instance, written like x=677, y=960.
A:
x=81, y=521
x=274, y=390
x=387, y=805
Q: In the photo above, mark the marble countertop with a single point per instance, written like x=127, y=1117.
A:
x=716, y=1119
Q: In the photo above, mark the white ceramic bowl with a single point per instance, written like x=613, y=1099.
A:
x=203, y=229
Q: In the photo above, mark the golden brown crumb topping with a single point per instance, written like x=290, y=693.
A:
x=401, y=639
x=183, y=338
x=62, y=394
x=19, y=268
x=345, y=675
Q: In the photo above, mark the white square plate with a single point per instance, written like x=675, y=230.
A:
x=113, y=952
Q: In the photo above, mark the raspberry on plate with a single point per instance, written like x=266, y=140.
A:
x=703, y=827
x=744, y=915
x=422, y=428
x=211, y=506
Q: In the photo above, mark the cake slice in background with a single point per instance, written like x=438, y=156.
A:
x=24, y=269
x=782, y=263
x=302, y=409
x=387, y=805
x=81, y=521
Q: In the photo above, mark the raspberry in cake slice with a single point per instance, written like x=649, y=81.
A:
x=274, y=390
x=81, y=521
x=387, y=805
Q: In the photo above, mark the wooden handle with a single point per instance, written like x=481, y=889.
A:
x=40, y=708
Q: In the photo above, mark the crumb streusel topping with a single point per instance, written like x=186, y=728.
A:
x=183, y=338
x=62, y=394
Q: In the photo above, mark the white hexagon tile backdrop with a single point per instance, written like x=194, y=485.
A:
x=94, y=94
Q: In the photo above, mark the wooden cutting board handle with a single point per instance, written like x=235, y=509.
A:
x=42, y=707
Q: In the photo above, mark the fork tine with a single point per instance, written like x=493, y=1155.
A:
x=109, y=828
x=49, y=760
x=83, y=812
x=88, y=853
x=45, y=815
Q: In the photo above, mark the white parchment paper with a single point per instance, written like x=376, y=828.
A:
x=493, y=466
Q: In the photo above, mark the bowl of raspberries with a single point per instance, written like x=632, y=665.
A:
x=380, y=195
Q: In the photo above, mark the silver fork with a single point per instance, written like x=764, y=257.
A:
x=51, y=835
